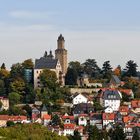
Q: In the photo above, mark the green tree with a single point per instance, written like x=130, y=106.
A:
x=29, y=132
x=16, y=71
x=131, y=68
x=76, y=136
x=0, y=105
x=136, y=135
x=56, y=120
x=71, y=77
x=3, y=66
x=94, y=133
x=91, y=67
x=118, y=133
x=28, y=64
x=76, y=66
x=18, y=85
x=10, y=123
x=14, y=98
x=48, y=79
x=2, y=87
x=107, y=70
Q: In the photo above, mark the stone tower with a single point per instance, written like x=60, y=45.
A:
x=61, y=53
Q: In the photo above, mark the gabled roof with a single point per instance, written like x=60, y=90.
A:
x=116, y=79
x=108, y=116
x=46, y=117
x=69, y=126
x=68, y=117
x=96, y=116
x=111, y=95
x=44, y=108
x=46, y=63
x=135, y=103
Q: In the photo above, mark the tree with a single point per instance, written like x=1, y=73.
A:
x=107, y=70
x=14, y=98
x=28, y=64
x=91, y=67
x=131, y=68
x=3, y=66
x=2, y=87
x=10, y=123
x=76, y=136
x=16, y=71
x=94, y=133
x=136, y=135
x=48, y=79
x=18, y=85
x=76, y=66
x=4, y=74
x=118, y=133
x=71, y=77
x=29, y=132
x=56, y=120
x=117, y=71
x=0, y=105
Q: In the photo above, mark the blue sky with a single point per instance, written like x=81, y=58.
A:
x=99, y=29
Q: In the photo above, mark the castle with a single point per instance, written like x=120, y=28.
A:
x=58, y=64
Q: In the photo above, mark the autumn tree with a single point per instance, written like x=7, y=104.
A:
x=28, y=64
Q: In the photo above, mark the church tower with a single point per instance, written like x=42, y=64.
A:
x=61, y=53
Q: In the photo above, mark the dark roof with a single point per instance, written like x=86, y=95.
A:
x=60, y=37
x=45, y=63
x=83, y=107
x=116, y=79
x=111, y=95
x=44, y=108
x=96, y=116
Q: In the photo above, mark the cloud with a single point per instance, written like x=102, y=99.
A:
x=29, y=14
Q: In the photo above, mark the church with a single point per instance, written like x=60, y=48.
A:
x=58, y=64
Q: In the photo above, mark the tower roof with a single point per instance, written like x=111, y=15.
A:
x=60, y=37
x=44, y=108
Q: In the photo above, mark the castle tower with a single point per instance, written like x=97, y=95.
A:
x=61, y=53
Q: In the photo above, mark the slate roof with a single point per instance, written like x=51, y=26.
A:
x=111, y=95
x=45, y=63
x=44, y=108
x=116, y=79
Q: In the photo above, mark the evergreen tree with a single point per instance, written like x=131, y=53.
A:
x=118, y=133
x=136, y=135
x=107, y=70
x=131, y=68
x=3, y=66
x=71, y=77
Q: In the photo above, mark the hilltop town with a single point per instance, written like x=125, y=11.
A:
x=70, y=100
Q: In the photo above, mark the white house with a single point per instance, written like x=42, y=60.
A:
x=79, y=99
x=111, y=100
x=108, y=118
x=69, y=129
x=82, y=119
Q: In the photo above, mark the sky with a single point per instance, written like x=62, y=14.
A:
x=97, y=29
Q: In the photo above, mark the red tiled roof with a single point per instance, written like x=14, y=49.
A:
x=135, y=103
x=126, y=91
x=83, y=115
x=4, y=117
x=68, y=117
x=47, y=117
x=124, y=109
x=108, y=116
x=126, y=119
x=13, y=118
x=69, y=126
